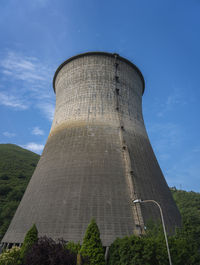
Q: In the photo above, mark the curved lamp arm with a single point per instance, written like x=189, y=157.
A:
x=163, y=223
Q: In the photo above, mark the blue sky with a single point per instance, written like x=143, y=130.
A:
x=161, y=37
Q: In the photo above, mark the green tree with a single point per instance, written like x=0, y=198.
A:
x=30, y=238
x=92, y=247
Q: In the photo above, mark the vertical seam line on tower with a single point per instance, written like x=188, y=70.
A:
x=136, y=209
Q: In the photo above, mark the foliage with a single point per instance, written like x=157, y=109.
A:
x=136, y=250
x=30, y=238
x=189, y=206
x=10, y=256
x=187, y=239
x=151, y=249
x=4, y=190
x=16, y=168
x=73, y=247
x=47, y=252
x=92, y=246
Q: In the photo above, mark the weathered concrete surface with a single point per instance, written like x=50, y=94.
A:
x=97, y=157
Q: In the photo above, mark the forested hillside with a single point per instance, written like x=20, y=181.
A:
x=16, y=168
x=189, y=206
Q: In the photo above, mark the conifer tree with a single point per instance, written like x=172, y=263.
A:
x=30, y=238
x=92, y=246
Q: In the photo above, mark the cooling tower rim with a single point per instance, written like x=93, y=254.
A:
x=99, y=53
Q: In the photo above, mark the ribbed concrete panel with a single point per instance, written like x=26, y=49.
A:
x=97, y=157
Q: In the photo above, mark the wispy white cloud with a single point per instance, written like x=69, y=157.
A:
x=34, y=147
x=34, y=78
x=37, y=131
x=9, y=134
x=24, y=68
x=48, y=110
x=12, y=101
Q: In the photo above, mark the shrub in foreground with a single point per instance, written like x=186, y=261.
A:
x=48, y=252
x=92, y=247
x=133, y=250
x=73, y=247
x=151, y=249
x=10, y=256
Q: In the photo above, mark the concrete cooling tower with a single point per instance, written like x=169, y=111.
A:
x=97, y=158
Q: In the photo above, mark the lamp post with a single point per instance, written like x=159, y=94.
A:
x=163, y=223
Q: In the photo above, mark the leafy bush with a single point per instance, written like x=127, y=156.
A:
x=151, y=249
x=184, y=249
x=30, y=238
x=10, y=256
x=134, y=250
x=47, y=252
x=92, y=246
x=73, y=247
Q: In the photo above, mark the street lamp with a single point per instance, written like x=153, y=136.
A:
x=163, y=223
